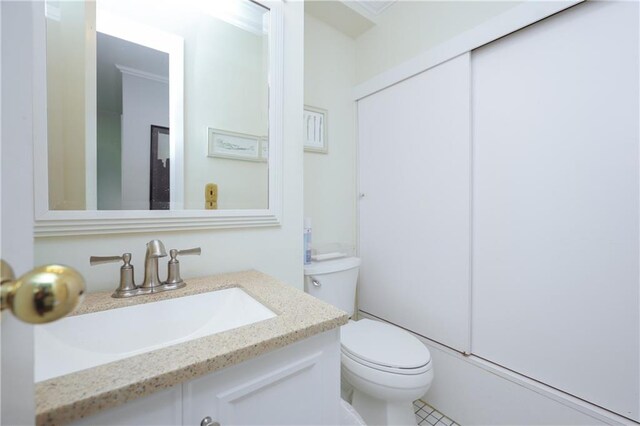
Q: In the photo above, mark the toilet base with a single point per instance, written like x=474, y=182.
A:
x=377, y=412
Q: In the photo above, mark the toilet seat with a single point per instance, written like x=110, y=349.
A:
x=400, y=352
x=384, y=368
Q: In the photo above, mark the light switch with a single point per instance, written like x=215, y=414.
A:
x=211, y=205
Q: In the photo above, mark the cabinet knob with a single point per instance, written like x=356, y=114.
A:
x=208, y=421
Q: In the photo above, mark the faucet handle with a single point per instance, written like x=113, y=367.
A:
x=127, y=286
x=99, y=260
x=174, y=280
x=174, y=253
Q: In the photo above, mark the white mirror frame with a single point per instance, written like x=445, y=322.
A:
x=91, y=222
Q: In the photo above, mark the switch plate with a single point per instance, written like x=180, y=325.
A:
x=211, y=192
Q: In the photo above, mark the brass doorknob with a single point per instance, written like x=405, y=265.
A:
x=44, y=294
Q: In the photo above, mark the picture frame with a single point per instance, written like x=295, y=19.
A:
x=159, y=169
x=315, y=130
x=233, y=145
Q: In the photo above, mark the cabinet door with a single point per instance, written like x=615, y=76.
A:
x=163, y=408
x=414, y=169
x=296, y=385
x=556, y=206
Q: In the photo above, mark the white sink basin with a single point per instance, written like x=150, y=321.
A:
x=84, y=341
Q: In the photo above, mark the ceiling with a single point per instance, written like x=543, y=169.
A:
x=370, y=9
x=351, y=17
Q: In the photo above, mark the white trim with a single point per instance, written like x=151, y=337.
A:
x=40, y=147
x=471, y=206
x=142, y=74
x=563, y=398
x=76, y=222
x=244, y=15
x=512, y=20
x=276, y=106
x=639, y=127
x=364, y=9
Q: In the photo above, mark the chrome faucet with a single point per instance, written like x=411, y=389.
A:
x=155, y=250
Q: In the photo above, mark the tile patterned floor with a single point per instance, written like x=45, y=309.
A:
x=426, y=415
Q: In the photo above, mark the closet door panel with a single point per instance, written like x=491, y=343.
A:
x=556, y=208
x=414, y=154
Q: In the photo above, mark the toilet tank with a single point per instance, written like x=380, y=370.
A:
x=334, y=281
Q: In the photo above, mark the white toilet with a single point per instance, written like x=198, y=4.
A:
x=387, y=367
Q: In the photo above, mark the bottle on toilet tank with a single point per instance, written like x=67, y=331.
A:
x=307, y=240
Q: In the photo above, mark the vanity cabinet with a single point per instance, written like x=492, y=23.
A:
x=163, y=408
x=295, y=385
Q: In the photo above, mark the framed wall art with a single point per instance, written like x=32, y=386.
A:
x=315, y=130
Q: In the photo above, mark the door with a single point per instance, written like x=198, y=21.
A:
x=16, y=210
x=414, y=165
x=556, y=206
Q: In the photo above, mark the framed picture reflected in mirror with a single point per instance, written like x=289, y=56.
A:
x=159, y=185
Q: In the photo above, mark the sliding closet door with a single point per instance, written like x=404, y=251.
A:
x=414, y=155
x=556, y=208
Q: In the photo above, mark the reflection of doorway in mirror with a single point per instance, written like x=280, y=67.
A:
x=315, y=129
x=133, y=95
x=159, y=189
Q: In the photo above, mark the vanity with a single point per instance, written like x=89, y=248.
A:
x=174, y=124
x=281, y=368
x=278, y=370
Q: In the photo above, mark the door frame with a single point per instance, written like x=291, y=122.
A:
x=17, y=211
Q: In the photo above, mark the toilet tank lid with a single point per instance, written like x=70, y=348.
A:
x=329, y=266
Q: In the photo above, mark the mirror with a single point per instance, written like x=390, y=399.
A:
x=158, y=105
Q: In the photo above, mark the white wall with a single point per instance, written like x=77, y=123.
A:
x=69, y=104
x=109, y=164
x=276, y=251
x=225, y=88
x=145, y=102
x=330, y=179
x=408, y=28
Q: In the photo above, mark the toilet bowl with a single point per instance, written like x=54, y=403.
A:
x=388, y=369
x=384, y=368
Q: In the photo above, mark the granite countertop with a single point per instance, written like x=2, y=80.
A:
x=64, y=399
